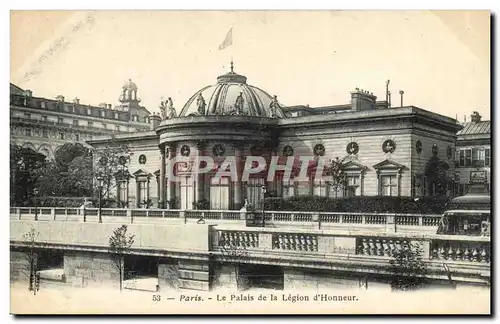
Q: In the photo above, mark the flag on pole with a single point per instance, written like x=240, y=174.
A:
x=228, y=40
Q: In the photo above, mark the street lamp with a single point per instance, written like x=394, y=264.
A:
x=264, y=191
x=35, y=194
x=99, y=184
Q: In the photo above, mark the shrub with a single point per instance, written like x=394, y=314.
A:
x=363, y=204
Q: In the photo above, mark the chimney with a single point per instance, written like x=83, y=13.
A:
x=28, y=93
x=103, y=105
x=109, y=106
x=154, y=120
x=60, y=98
x=362, y=100
x=76, y=101
x=475, y=117
x=401, y=93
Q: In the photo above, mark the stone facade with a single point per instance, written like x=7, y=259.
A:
x=89, y=269
x=384, y=150
x=45, y=124
x=19, y=266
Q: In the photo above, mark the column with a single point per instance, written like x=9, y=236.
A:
x=399, y=182
x=200, y=180
x=238, y=155
x=161, y=198
x=171, y=184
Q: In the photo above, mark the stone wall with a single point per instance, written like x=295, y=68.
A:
x=184, y=274
x=19, y=265
x=168, y=274
x=225, y=276
x=299, y=279
x=90, y=268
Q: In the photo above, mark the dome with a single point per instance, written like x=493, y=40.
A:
x=129, y=85
x=231, y=96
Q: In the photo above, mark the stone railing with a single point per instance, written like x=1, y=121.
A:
x=324, y=243
x=311, y=220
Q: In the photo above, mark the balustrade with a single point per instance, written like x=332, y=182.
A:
x=352, y=219
x=411, y=220
x=281, y=218
x=378, y=246
x=330, y=218
x=238, y=239
x=295, y=242
x=461, y=251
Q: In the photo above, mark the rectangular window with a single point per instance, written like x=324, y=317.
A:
x=122, y=192
x=103, y=113
x=27, y=115
x=75, y=122
x=45, y=133
x=61, y=136
x=303, y=188
x=77, y=137
x=288, y=188
x=43, y=105
x=219, y=193
x=89, y=111
x=104, y=125
x=117, y=128
x=142, y=194
x=389, y=185
x=90, y=124
x=462, y=158
x=476, y=161
x=353, y=186
x=254, y=192
x=487, y=157
x=187, y=192
x=59, y=120
x=27, y=132
x=44, y=118
x=320, y=188
x=468, y=157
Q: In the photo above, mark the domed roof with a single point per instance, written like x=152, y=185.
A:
x=231, y=96
x=129, y=85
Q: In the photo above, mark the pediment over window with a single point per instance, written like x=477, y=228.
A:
x=141, y=173
x=157, y=173
x=353, y=166
x=389, y=165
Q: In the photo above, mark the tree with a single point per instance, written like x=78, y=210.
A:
x=68, y=174
x=436, y=171
x=24, y=164
x=408, y=269
x=66, y=153
x=111, y=164
x=120, y=244
x=31, y=259
x=337, y=175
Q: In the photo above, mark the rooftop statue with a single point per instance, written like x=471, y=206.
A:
x=171, y=110
x=200, y=102
x=239, y=104
x=163, y=109
x=273, y=107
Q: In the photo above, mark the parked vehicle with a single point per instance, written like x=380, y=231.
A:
x=469, y=214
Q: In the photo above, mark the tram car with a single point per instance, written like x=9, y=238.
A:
x=468, y=215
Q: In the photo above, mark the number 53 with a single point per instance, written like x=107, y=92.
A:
x=156, y=297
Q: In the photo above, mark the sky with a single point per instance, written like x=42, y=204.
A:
x=440, y=59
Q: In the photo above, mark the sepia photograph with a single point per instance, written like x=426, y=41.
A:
x=333, y=162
